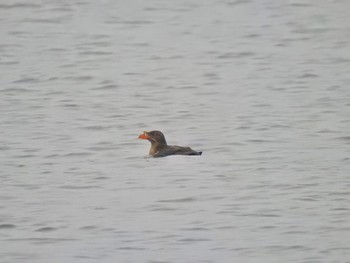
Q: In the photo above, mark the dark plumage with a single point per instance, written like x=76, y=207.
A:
x=159, y=147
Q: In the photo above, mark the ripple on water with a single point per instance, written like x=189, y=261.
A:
x=195, y=229
x=77, y=154
x=46, y=229
x=7, y=226
x=160, y=208
x=106, y=87
x=131, y=248
x=180, y=200
x=345, y=139
x=19, y=6
x=41, y=240
x=79, y=187
x=91, y=227
x=193, y=240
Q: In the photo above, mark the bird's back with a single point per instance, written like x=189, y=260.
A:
x=176, y=150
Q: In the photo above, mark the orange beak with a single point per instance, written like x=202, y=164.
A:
x=144, y=136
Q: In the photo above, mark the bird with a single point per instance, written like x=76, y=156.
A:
x=160, y=148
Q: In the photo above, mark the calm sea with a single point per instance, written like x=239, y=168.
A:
x=262, y=87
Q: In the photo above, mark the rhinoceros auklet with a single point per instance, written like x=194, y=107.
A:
x=159, y=147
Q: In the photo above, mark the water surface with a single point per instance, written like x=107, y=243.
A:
x=261, y=87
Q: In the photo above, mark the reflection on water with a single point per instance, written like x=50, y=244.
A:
x=260, y=86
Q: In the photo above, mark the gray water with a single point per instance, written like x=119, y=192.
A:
x=260, y=86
